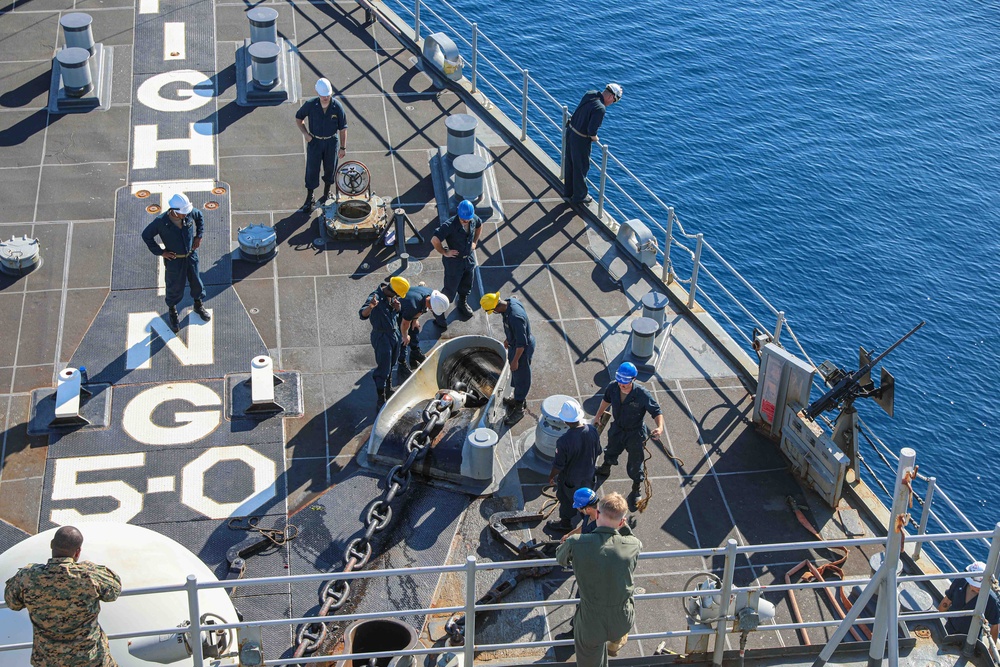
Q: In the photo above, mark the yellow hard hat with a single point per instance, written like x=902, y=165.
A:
x=489, y=302
x=399, y=285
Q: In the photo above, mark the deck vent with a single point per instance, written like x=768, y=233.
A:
x=19, y=256
x=258, y=243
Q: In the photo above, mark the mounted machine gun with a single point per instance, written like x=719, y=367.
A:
x=847, y=386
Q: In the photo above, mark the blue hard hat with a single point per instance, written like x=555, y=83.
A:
x=584, y=497
x=466, y=210
x=626, y=373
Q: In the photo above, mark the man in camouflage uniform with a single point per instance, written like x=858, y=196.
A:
x=63, y=598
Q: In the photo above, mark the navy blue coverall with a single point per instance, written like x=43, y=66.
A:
x=385, y=335
x=411, y=307
x=586, y=121
x=325, y=143
x=179, y=240
x=459, y=270
x=628, y=431
x=576, y=460
x=517, y=332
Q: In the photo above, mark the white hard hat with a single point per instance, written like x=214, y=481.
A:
x=571, y=411
x=978, y=567
x=181, y=203
x=616, y=90
x=324, y=88
x=439, y=303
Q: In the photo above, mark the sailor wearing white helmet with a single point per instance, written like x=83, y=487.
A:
x=963, y=595
x=326, y=120
x=417, y=301
x=574, y=464
x=581, y=134
x=180, y=230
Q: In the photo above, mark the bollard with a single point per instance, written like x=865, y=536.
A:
x=263, y=24
x=654, y=307
x=264, y=64
x=644, y=330
x=469, y=177
x=262, y=381
x=478, y=454
x=77, y=31
x=461, y=134
x=19, y=256
x=74, y=63
x=68, y=391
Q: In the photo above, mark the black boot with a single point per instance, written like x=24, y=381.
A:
x=416, y=358
x=633, y=498
x=307, y=206
x=199, y=308
x=515, y=414
x=441, y=321
x=402, y=372
x=462, y=306
x=559, y=526
x=326, y=193
x=389, y=389
x=380, y=401
x=605, y=468
x=173, y=320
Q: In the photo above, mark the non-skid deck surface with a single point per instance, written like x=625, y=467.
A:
x=170, y=460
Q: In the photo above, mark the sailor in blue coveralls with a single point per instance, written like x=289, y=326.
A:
x=416, y=301
x=381, y=308
x=326, y=120
x=575, y=463
x=629, y=403
x=180, y=230
x=581, y=133
x=456, y=239
x=520, y=346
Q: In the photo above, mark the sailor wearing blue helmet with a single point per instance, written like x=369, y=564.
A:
x=573, y=467
x=585, y=502
x=581, y=134
x=456, y=239
x=629, y=403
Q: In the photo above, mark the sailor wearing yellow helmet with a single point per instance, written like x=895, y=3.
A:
x=520, y=346
x=417, y=301
x=381, y=308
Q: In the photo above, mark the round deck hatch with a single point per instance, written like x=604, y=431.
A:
x=353, y=178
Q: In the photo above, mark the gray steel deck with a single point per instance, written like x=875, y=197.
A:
x=58, y=181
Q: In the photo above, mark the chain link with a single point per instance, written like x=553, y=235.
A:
x=335, y=594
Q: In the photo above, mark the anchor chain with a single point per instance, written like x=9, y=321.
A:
x=377, y=517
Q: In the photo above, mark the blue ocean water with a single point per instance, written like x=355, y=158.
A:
x=845, y=156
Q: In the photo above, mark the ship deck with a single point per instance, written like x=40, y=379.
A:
x=68, y=180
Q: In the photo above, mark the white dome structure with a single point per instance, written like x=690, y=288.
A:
x=142, y=558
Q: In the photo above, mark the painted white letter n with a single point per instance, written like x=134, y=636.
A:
x=198, y=351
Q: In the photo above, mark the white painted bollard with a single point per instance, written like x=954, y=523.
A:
x=68, y=398
x=262, y=381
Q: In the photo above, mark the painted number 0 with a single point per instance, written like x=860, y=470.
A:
x=66, y=485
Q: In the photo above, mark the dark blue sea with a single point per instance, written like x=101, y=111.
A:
x=844, y=156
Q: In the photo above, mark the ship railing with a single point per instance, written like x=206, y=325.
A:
x=685, y=258
x=730, y=554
